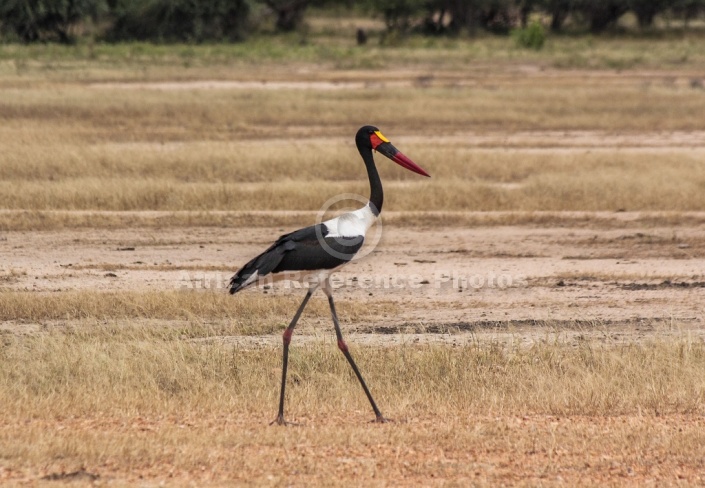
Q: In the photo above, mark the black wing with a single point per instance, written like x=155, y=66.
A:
x=306, y=249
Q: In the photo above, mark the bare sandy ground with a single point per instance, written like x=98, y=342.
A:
x=453, y=283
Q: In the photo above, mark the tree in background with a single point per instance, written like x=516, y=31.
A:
x=178, y=20
x=399, y=15
x=498, y=16
x=525, y=9
x=558, y=10
x=647, y=10
x=458, y=13
x=601, y=14
x=47, y=20
x=687, y=9
x=469, y=15
x=289, y=13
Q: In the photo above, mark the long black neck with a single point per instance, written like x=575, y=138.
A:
x=376, y=191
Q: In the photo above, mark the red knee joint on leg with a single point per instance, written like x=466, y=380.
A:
x=287, y=336
x=342, y=345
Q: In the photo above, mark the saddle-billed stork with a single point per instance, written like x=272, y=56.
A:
x=311, y=254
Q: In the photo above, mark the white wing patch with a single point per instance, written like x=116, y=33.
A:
x=252, y=278
x=351, y=224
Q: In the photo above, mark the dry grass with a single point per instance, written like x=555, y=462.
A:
x=157, y=115
x=656, y=189
x=68, y=146
x=244, y=313
x=120, y=400
x=24, y=220
x=463, y=180
x=80, y=363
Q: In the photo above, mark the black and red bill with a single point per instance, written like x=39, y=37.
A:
x=407, y=163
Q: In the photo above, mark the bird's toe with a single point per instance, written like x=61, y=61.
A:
x=382, y=420
x=280, y=421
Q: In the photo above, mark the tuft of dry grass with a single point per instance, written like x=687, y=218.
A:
x=11, y=274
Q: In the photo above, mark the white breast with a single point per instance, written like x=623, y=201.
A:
x=351, y=224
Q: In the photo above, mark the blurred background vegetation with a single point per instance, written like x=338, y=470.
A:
x=166, y=21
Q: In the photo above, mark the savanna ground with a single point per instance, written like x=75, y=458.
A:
x=532, y=315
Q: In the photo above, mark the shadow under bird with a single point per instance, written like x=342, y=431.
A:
x=314, y=253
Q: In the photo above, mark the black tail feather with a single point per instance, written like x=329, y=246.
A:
x=237, y=282
x=262, y=265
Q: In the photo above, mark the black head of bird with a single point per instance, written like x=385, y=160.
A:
x=370, y=138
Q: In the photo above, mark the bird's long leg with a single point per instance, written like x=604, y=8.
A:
x=287, y=339
x=344, y=348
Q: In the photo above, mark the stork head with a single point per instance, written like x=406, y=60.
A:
x=370, y=137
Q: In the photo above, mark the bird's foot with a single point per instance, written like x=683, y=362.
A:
x=382, y=420
x=280, y=421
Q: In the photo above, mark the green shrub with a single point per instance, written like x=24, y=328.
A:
x=531, y=37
